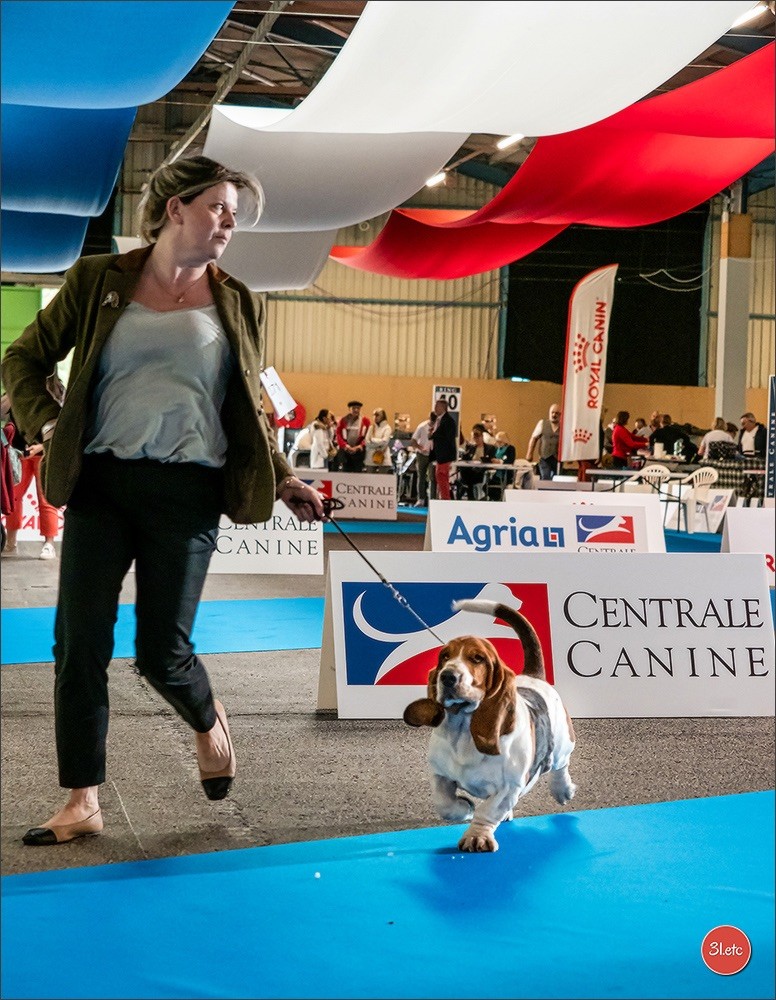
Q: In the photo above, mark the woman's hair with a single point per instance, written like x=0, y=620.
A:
x=622, y=418
x=187, y=178
x=480, y=427
x=719, y=424
x=380, y=415
x=323, y=416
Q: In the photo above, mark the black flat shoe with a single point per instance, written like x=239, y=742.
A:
x=217, y=783
x=45, y=836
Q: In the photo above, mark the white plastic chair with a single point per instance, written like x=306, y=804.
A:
x=651, y=476
x=696, y=495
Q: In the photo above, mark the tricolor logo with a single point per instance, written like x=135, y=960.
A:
x=322, y=485
x=386, y=644
x=598, y=528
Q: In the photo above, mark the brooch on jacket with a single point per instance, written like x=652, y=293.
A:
x=111, y=299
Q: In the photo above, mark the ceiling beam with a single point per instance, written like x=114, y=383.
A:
x=227, y=81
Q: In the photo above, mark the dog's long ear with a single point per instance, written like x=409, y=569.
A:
x=495, y=715
x=426, y=711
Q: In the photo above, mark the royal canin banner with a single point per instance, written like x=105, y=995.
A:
x=584, y=373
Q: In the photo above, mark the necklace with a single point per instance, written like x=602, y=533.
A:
x=179, y=297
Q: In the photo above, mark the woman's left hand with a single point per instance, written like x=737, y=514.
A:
x=302, y=500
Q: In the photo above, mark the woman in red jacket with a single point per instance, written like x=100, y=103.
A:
x=623, y=442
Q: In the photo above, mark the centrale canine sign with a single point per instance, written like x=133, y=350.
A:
x=628, y=635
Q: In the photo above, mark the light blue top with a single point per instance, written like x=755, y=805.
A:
x=161, y=382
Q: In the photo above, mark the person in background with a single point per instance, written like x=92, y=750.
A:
x=669, y=434
x=753, y=436
x=505, y=450
x=641, y=428
x=32, y=456
x=351, y=439
x=488, y=420
x=379, y=437
x=732, y=430
x=321, y=448
x=476, y=450
x=505, y=454
x=623, y=442
x=162, y=430
x=718, y=432
x=546, y=435
x=421, y=445
x=444, y=448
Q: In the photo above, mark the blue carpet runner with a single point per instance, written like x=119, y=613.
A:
x=599, y=903
x=221, y=627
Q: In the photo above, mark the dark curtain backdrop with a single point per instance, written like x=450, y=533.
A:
x=654, y=333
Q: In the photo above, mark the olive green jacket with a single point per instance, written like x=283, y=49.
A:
x=80, y=318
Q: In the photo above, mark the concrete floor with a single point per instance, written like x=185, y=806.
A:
x=302, y=775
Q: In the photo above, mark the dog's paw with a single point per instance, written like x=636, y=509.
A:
x=478, y=842
x=563, y=791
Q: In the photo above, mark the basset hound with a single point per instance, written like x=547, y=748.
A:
x=495, y=732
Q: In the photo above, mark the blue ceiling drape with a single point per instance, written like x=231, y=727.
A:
x=73, y=74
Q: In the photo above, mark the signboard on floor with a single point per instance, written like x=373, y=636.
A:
x=282, y=544
x=653, y=511
x=644, y=635
x=752, y=529
x=30, y=526
x=367, y=496
x=718, y=502
x=477, y=526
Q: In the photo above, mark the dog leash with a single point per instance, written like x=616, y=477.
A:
x=333, y=503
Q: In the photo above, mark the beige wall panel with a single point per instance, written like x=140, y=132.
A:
x=517, y=405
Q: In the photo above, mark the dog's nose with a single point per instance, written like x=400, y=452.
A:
x=448, y=678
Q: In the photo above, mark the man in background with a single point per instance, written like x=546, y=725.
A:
x=752, y=437
x=351, y=439
x=546, y=436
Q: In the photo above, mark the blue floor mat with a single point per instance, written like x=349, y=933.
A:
x=599, y=903
x=221, y=627
x=699, y=541
x=378, y=527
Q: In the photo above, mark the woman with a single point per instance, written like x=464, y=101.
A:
x=476, y=450
x=379, y=437
x=717, y=433
x=623, y=442
x=162, y=430
x=321, y=446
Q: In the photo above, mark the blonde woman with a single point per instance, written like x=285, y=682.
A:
x=161, y=431
x=379, y=437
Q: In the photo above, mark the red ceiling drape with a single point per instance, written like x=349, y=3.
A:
x=652, y=161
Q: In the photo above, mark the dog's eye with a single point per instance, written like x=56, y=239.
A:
x=443, y=655
x=478, y=658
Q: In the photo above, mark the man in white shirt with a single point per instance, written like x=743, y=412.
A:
x=421, y=444
x=752, y=439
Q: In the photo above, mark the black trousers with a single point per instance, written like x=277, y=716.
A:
x=165, y=517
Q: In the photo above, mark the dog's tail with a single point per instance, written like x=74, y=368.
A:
x=526, y=633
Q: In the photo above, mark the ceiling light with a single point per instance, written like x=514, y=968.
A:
x=509, y=140
x=750, y=15
x=439, y=178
